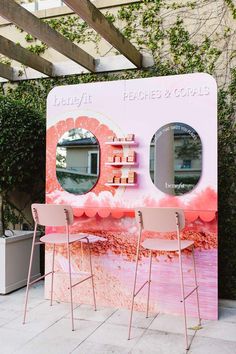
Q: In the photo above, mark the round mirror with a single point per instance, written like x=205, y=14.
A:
x=175, y=158
x=77, y=161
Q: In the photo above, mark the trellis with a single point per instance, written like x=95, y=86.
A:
x=81, y=60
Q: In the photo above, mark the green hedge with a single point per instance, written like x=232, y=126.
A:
x=22, y=151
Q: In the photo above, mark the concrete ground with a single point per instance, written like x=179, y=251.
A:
x=48, y=329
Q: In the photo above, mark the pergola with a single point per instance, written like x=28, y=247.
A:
x=80, y=61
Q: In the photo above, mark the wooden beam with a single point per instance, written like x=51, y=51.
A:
x=22, y=18
x=66, y=68
x=6, y=71
x=24, y=56
x=89, y=13
x=64, y=10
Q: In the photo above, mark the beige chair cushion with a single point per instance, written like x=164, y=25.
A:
x=157, y=244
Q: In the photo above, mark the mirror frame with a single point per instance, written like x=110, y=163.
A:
x=99, y=163
x=201, y=159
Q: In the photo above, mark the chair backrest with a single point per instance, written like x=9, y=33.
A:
x=160, y=219
x=52, y=214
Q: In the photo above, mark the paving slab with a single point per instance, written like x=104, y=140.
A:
x=39, y=318
x=15, y=300
x=227, y=314
x=9, y=314
x=218, y=330
x=203, y=345
x=155, y=342
x=173, y=324
x=59, y=338
x=95, y=348
x=48, y=329
x=110, y=334
x=122, y=316
x=86, y=312
x=11, y=340
x=227, y=303
x=3, y=321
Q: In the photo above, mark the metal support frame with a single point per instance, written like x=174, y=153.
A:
x=183, y=296
x=71, y=286
x=149, y=282
x=29, y=272
x=81, y=281
x=40, y=278
x=137, y=292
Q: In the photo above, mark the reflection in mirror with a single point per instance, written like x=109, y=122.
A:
x=77, y=161
x=175, y=158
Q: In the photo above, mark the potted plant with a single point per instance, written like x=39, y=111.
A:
x=22, y=151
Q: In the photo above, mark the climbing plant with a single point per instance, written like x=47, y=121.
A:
x=183, y=37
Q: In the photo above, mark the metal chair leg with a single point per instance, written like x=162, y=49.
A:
x=183, y=300
x=53, y=261
x=92, y=280
x=29, y=274
x=70, y=284
x=196, y=285
x=133, y=293
x=149, y=283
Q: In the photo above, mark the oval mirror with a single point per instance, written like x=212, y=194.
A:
x=175, y=158
x=77, y=161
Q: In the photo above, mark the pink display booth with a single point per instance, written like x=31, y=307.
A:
x=114, y=146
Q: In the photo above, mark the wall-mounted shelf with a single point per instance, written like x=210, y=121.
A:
x=121, y=163
x=121, y=184
x=122, y=143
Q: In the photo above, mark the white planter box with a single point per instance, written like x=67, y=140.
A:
x=14, y=261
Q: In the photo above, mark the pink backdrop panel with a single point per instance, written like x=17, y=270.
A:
x=140, y=107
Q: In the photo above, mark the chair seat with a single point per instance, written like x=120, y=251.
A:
x=62, y=238
x=157, y=244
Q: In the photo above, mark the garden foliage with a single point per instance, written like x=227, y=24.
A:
x=22, y=151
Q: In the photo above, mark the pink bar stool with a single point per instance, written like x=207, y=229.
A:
x=164, y=220
x=58, y=215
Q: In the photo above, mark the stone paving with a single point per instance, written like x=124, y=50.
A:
x=48, y=329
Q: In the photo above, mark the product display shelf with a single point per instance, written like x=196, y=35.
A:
x=122, y=143
x=121, y=164
x=121, y=184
